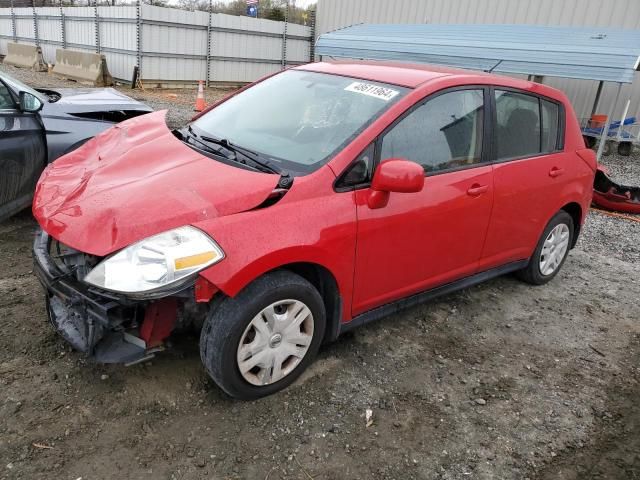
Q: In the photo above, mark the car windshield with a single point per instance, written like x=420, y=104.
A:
x=299, y=119
x=17, y=86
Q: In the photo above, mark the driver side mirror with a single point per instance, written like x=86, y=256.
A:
x=394, y=175
x=29, y=102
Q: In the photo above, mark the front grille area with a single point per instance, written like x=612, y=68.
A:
x=70, y=261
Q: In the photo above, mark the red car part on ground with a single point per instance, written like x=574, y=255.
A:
x=612, y=196
x=364, y=250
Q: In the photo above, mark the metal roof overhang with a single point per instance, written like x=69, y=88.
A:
x=585, y=53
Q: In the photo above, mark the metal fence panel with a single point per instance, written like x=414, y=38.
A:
x=174, y=51
x=80, y=28
x=24, y=26
x=49, y=32
x=240, y=72
x=173, y=43
x=6, y=31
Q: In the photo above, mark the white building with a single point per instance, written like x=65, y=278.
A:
x=334, y=14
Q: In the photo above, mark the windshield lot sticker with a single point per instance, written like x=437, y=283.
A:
x=372, y=90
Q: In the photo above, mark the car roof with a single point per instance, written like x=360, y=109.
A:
x=403, y=74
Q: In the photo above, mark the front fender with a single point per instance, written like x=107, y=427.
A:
x=65, y=135
x=314, y=230
x=238, y=280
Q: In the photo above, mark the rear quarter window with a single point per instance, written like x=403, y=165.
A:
x=550, y=125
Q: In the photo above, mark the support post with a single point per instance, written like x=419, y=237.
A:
x=605, y=130
x=208, y=46
x=284, y=36
x=97, y=26
x=596, y=102
x=139, y=39
x=312, y=40
x=63, y=27
x=13, y=24
x=624, y=117
x=35, y=23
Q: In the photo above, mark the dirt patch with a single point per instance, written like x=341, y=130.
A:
x=498, y=381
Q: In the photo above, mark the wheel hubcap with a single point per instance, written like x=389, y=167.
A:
x=554, y=249
x=275, y=342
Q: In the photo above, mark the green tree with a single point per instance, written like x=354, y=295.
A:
x=274, y=14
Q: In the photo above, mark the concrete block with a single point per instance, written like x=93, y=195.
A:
x=25, y=56
x=87, y=68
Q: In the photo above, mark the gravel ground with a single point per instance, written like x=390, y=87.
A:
x=624, y=170
x=179, y=102
x=620, y=237
x=500, y=381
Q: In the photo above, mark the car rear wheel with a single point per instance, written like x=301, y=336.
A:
x=551, y=251
x=260, y=341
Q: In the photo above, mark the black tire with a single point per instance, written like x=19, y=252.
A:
x=624, y=148
x=608, y=148
x=531, y=273
x=228, y=318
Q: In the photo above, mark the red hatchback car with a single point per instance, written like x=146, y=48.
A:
x=309, y=203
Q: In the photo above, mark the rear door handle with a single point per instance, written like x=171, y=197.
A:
x=556, y=172
x=476, y=189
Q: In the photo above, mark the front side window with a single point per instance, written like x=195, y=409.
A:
x=5, y=98
x=443, y=133
x=18, y=86
x=299, y=119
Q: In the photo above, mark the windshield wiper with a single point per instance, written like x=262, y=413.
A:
x=191, y=135
x=245, y=152
x=230, y=151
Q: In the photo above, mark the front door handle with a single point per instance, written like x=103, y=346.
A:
x=476, y=189
x=556, y=172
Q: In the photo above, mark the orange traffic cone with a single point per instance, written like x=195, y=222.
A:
x=200, y=105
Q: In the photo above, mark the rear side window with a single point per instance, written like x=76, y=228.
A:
x=518, y=125
x=443, y=133
x=526, y=125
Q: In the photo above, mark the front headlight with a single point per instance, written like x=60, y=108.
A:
x=156, y=262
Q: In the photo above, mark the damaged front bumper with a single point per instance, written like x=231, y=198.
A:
x=110, y=328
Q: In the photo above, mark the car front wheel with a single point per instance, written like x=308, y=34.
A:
x=551, y=251
x=260, y=341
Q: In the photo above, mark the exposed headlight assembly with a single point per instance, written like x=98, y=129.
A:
x=157, y=264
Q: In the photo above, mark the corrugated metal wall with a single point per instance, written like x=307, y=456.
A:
x=173, y=42
x=334, y=14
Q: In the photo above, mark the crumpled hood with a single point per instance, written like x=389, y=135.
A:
x=135, y=180
x=100, y=97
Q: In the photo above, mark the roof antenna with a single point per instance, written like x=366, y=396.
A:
x=494, y=67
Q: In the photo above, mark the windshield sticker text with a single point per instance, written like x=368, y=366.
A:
x=376, y=91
